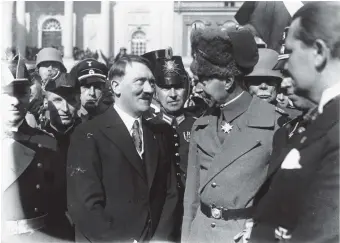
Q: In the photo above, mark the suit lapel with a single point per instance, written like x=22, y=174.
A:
x=151, y=150
x=115, y=130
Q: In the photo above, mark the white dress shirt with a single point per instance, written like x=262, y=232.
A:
x=328, y=95
x=128, y=121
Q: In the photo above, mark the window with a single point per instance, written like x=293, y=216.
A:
x=138, y=43
x=51, y=33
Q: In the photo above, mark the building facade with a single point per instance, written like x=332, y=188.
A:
x=106, y=26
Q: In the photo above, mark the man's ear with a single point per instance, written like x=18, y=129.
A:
x=115, y=87
x=229, y=83
x=321, y=54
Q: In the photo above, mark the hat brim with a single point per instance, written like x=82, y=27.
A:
x=265, y=73
x=101, y=76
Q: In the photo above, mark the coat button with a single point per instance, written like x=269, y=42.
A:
x=40, y=165
x=39, y=145
x=37, y=186
x=177, y=163
x=175, y=135
x=177, y=154
x=213, y=184
x=178, y=174
x=176, y=144
x=301, y=129
x=36, y=210
x=213, y=225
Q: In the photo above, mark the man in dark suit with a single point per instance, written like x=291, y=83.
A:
x=302, y=203
x=121, y=179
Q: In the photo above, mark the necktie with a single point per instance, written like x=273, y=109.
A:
x=136, y=136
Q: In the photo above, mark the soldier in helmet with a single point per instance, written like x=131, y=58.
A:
x=49, y=63
x=172, y=90
x=91, y=76
x=28, y=153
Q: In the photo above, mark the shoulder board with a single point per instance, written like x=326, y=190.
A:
x=281, y=111
x=45, y=141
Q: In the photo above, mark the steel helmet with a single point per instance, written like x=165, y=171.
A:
x=50, y=54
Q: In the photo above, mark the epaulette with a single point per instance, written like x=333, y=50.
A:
x=281, y=111
x=44, y=140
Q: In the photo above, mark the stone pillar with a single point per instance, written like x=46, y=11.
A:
x=7, y=30
x=21, y=27
x=68, y=29
x=103, y=37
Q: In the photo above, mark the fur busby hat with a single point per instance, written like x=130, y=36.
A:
x=222, y=52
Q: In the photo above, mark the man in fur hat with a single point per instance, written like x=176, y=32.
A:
x=230, y=147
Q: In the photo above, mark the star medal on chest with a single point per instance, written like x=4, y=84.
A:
x=226, y=127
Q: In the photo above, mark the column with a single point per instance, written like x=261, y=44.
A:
x=103, y=37
x=21, y=27
x=68, y=30
x=7, y=30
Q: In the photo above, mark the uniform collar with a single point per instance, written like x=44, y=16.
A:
x=235, y=108
x=171, y=120
x=328, y=95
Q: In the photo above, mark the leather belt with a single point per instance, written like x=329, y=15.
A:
x=25, y=225
x=215, y=212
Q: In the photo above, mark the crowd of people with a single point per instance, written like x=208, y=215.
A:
x=244, y=149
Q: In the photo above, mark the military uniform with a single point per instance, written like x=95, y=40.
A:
x=27, y=175
x=88, y=68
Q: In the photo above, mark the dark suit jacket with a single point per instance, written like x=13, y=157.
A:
x=112, y=194
x=304, y=201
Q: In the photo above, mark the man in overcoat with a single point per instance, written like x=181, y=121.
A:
x=27, y=158
x=230, y=148
x=302, y=203
x=121, y=177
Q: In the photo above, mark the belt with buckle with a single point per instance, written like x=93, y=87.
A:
x=212, y=211
x=25, y=225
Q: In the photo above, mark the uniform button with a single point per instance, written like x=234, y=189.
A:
x=213, y=225
x=39, y=145
x=37, y=186
x=39, y=165
x=176, y=144
x=36, y=210
x=174, y=127
x=213, y=184
x=178, y=185
x=175, y=135
x=177, y=154
x=303, y=139
x=301, y=129
x=178, y=174
x=177, y=163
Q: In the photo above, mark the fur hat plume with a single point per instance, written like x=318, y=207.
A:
x=223, y=52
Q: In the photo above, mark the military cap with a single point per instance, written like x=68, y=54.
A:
x=49, y=54
x=223, y=52
x=264, y=67
x=167, y=69
x=90, y=68
x=284, y=55
x=63, y=81
x=14, y=72
x=152, y=56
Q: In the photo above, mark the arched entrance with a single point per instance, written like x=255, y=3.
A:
x=138, y=43
x=51, y=33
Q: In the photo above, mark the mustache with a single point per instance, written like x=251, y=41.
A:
x=146, y=96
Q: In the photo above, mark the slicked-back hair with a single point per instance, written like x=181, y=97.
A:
x=320, y=20
x=118, y=69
